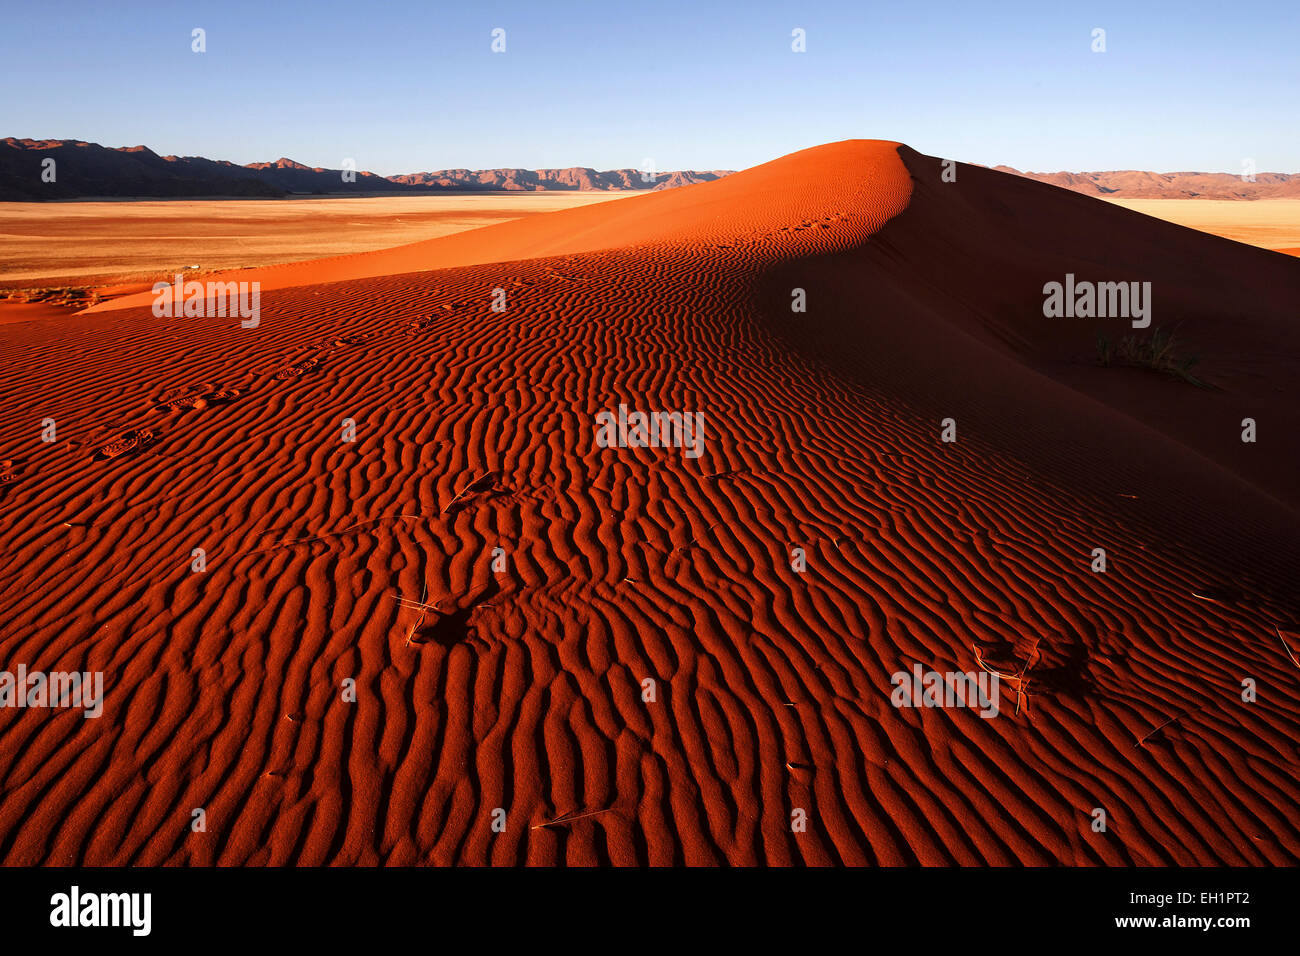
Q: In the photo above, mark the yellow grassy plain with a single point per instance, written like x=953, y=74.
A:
x=94, y=243
x=1267, y=223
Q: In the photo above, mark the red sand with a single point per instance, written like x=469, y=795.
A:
x=522, y=690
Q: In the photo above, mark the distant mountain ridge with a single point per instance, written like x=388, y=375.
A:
x=1135, y=184
x=85, y=169
x=574, y=177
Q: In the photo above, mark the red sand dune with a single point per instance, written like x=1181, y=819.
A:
x=522, y=690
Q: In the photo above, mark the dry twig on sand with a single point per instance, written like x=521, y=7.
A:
x=286, y=542
x=420, y=606
x=572, y=816
x=696, y=538
x=475, y=485
x=1286, y=646
x=1160, y=727
x=1021, y=679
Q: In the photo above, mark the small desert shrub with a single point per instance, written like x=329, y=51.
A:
x=1155, y=352
x=1105, y=350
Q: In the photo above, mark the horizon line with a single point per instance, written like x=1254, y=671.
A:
x=534, y=168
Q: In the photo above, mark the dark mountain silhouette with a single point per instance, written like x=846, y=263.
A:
x=89, y=170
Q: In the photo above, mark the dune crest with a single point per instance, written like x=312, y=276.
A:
x=770, y=207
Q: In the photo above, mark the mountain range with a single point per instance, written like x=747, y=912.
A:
x=90, y=170
x=84, y=169
x=1135, y=184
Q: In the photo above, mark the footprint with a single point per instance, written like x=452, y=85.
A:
x=181, y=391
x=125, y=443
x=181, y=396
x=293, y=371
x=179, y=404
x=8, y=475
x=419, y=325
x=194, y=396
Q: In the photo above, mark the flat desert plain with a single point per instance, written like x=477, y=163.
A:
x=1267, y=223
x=368, y=583
x=90, y=243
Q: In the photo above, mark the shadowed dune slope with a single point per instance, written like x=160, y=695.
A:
x=515, y=679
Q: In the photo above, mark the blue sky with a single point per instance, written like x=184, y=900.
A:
x=411, y=86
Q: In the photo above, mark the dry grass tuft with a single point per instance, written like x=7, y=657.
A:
x=1155, y=352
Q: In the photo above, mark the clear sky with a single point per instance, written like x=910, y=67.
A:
x=411, y=86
